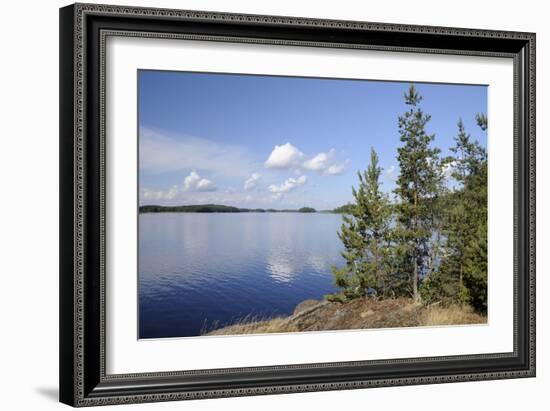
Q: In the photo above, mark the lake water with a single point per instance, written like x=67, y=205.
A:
x=205, y=270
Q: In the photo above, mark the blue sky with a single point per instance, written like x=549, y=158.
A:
x=279, y=142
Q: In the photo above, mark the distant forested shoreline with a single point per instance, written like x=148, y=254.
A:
x=217, y=208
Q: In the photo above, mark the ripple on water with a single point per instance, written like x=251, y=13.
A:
x=223, y=267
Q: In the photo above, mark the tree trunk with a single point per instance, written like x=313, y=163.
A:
x=416, y=297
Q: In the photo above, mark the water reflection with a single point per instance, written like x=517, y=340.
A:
x=223, y=267
x=280, y=268
x=318, y=263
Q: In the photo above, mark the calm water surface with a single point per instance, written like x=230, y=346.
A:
x=204, y=270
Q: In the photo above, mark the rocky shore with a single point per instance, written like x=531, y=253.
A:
x=312, y=315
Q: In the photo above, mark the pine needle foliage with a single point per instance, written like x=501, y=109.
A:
x=365, y=234
x=418, y=186
x=430, y=241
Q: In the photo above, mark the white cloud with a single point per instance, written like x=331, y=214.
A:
x=335, y=169
x=289, y=185
x=194, y=182
x=160, y=153
x=252, y=181
x=205, y=185
x=390, y=172
x=293, y=198
x=448, y=168
x=191, y=181
x=172, y=193
x=320, y=162
x=288, y=157
x=324, y=164
x=284, y=157
x=160, y=195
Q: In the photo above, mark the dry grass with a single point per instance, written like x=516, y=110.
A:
x=452, y=315
x=356, y=314
x=245, y=326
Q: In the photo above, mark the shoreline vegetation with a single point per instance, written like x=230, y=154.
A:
x=428, y=242
x=361, y=313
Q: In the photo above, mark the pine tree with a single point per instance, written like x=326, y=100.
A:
x=475, y=268
x=465, y=213
x=475, y=256
x=365, y=235
x=418, y=185
x=481, y=120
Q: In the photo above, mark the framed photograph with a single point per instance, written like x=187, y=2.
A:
x=261, y=204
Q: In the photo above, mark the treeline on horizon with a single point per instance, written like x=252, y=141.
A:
x=216, y=208
x=429, y=242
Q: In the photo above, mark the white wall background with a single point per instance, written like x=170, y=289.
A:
x=29, y=204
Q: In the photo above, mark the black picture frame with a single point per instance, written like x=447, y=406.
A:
x=83, y=380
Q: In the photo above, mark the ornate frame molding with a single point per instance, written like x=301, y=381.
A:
x=82, y=330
